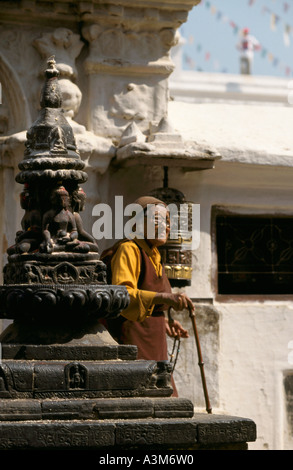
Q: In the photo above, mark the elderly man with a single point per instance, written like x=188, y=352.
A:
x=136, y=264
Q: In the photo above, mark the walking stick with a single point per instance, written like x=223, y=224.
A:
x=200, y=362
x=176, y=342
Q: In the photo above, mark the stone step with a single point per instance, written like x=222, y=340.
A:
x=94, y=409
x=200, y=432
x=87, y=379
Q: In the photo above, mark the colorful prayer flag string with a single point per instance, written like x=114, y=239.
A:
x=274, y=21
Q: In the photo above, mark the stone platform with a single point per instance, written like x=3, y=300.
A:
x=202, y=432
x=92, y=393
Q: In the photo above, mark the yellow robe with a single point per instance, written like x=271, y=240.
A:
x=125, y=266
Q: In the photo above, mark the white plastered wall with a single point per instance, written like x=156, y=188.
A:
x=244, y=342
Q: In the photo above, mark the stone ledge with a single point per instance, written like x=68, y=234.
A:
x=102, y=352
x=100, y=409
x=65, y=12
x=216, y=124
x=86, y=379
x=200, y=432
x=176, y=160
x=213, y=429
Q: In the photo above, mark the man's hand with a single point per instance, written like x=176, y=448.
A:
x=174, y=329
x=176, y=301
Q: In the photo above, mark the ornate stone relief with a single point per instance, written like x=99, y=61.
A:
x=144, y=51
x=128, y=70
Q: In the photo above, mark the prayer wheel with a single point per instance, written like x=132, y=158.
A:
x=176, y=253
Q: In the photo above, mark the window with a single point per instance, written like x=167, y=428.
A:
x=255, y=254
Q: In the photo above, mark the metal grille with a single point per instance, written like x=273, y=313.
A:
x=255, y=255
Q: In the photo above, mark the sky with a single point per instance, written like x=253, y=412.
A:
x=213, y=30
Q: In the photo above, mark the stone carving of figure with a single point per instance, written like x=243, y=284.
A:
x=59, y=226
x=78, y=202
x=57, y=140
x=77, y=376
x=29, y=238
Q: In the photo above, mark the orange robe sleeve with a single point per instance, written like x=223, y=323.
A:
x=125, y=266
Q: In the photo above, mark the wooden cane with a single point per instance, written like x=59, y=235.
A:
x=200, y=362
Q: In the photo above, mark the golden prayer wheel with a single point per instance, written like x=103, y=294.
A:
x=176, y=253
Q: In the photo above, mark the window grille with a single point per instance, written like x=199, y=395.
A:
x=255, y=254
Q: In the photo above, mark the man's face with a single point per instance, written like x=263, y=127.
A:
x=157, y=225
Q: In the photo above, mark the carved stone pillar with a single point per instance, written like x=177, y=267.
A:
x=129, y=63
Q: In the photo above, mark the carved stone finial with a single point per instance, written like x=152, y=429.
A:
x=131, y=134
x=51, y=95
x=51, y=153
x=52, y=71
x=163, y=135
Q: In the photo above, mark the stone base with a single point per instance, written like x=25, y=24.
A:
x=84, y=379
x=75, y=341
x=91, y=393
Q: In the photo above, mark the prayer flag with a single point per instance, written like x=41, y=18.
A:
x=286, y=35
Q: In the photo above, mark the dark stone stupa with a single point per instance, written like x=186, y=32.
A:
x=64, y=382
x=54, y=275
